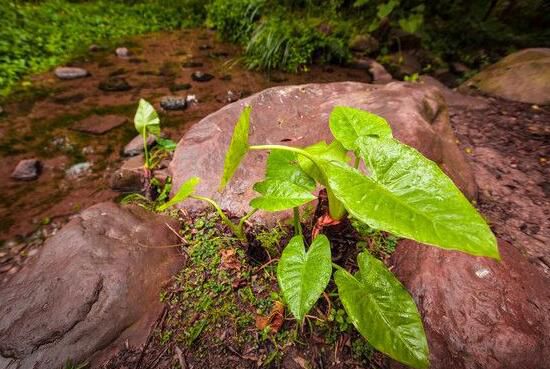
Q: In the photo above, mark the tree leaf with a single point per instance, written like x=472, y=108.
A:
x=146, y=119
x=283, y=166
x=280, y=195
x=410, y=197
x=237, y=148
x=333, y=151
x=383, y=311
x=347, y=124
x=185, y=190
x=303, y=276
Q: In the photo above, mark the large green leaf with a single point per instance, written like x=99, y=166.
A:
x=333, y=151
x=280, y=195
x=146, y=119
x=237, y=148
x=303, y=276
x=185, y=190
x=410, y=197
x=283, y=166
x=347, y=124
x=383, y=311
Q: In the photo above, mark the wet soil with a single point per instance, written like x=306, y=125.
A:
x=508, y=145
x=37, y=122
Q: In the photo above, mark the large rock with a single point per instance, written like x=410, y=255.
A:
x=456, y=99
x=94, y=286
x=477, y=312
x=298, y=115
x=522, y=76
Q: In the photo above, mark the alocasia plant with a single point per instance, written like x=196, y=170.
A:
x=403, y=193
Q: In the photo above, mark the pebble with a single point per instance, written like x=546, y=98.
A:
x=70, y=73
x=199, y=76
x=78, y=170
x=173, y=103
x=26, y=170
x=135, y=147
x=122, y=52
x=192, y=99
x=114, y=84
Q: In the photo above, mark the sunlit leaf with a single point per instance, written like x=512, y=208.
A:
x=303, y=276
x=333, y=151
x=347, y=124
x=383, y=311
x=277, y=195
x=166, y=144
x=146, y=119
x=237, y=148
x=185, y=190
x=410, y=197
x=283, y=166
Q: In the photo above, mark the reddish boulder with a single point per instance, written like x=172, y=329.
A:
x=298, y=115
x=477, y=312
x=99, y=124
x=93, y=288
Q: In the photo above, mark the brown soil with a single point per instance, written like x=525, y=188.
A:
x=509, y=148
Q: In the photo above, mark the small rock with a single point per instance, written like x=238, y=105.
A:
x=192, y=100
x=173, y=103
x=99, y=124
x=199, y=76
x=70, y=73
x=78, y=170
x=112, y=84
x=130, y=177
x=26, y=170
x=180, y=87
x=135, y=147
x=122, y=52
x=192, y=64
x=364, y=44
x=229, y=97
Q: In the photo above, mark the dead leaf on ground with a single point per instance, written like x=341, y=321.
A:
x=229, y=260
x=274, y=320
x=322, y=222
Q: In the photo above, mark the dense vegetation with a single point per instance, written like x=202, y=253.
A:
x=288, y=35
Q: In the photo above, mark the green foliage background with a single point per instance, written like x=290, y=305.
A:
x=284, y=34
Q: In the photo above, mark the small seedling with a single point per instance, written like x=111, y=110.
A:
x=404, y=194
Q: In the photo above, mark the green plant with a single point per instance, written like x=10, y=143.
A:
x=405, y=194
x=147, y=123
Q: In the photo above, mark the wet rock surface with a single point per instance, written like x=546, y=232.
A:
x=201, y=76
x=70, y=73
x=300, y=114
x=477, y=312
x=93, y=286
x=99, y=124
x=26, y=170
x=130, y=177
x=523, y=76
x=173, y=102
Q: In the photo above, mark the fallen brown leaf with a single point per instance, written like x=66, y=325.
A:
x=274, y=320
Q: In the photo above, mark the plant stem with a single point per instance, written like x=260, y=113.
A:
x=145, y=150
x=357, y=160
x=244, y=219
x=286, y=148
x=337, y=267
x=297, y=225
x=235, y=229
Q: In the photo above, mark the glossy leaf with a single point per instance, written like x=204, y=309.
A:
x=237, y=148
x=277, y=195
x=146, y=119
x=347, y=124
x=166, y=144
x=410, y=197
x=333, y=151
x=185, y=190
x=283, y=166
x=383, y=311
x=303, y=276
